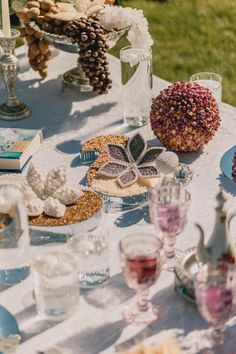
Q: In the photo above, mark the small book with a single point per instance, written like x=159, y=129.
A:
x=17, y=146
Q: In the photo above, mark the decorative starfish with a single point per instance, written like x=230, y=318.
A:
x=128, y=164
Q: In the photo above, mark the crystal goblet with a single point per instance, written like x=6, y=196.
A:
x=169, y=204
x=141, y=265
x=215, y=295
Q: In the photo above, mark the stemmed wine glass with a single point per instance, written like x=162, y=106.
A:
x=168, y=208
x=215, y=289
x=141, y=265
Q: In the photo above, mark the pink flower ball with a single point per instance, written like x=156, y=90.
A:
x=184, y=116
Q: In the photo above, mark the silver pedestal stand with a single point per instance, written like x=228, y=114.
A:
x=12, y=109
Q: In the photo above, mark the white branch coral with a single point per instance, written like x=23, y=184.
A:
x=121, y=17
x=49, y=193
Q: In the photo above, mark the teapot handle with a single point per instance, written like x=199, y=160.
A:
x=229, y=220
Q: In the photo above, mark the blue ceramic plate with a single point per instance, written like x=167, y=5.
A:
x=8, y=324
x=226, y=162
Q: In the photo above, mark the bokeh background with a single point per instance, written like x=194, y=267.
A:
x=192, y=36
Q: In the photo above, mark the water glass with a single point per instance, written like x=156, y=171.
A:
x=169, y=204
x=141, y=265
x=55, y=277
x=91, y=251
x=212, y=81
x=136, y=77
x=215, y=289
x=14, y=236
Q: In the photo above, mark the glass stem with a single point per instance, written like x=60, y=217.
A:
x=168, y=246
x=142, y=299
x=217, y=335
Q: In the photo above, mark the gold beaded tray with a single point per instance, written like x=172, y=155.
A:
x=86, y=212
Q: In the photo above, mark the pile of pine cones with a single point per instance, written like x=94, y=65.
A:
x=86, y=32
x=89, y=35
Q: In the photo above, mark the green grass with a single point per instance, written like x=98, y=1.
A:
x=192, y=36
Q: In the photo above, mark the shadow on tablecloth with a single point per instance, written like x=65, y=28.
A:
x=94, y=340
x=114, y=293
x=133, y=217
x=227, y=184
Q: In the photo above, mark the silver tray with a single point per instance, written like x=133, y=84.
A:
x=226, y=162
x=75, y=78
x=66, y=44
x=185, y=268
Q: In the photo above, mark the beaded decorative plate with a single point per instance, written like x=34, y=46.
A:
x=227, y=161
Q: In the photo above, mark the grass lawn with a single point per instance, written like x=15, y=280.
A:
x=192, y=36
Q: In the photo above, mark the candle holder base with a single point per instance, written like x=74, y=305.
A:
x=12, y=109
x=16, y=112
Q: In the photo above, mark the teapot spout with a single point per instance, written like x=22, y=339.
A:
x=202, y=255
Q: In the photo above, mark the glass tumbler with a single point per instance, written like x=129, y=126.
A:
x=210, y=80
x=136, y=77
x=55, y=278
x=91, y=250
x=14, y=236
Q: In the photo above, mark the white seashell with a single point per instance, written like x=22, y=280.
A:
x=65, y=7
x=34, y=207
x=167, y=162
x=69, y=16
x=81, y=5
x=36, y=179
x=95, y=3
x=93, y=10
x=67, y=195
x=54, y=208
x=56, y=179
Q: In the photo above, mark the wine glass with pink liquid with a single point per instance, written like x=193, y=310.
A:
x=141, y=265
x=215, y=291
x=168, y=207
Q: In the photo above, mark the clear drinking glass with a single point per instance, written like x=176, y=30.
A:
x=210, y=80
x=141, y=265
x=55, y=277
x=136, y=77
x=91, y=251
x=14, y=236
x=168, y=209
x=215, y=291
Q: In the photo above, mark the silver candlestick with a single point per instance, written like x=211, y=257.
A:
x=12, y=109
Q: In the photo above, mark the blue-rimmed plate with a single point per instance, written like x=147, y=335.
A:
x=226, y=162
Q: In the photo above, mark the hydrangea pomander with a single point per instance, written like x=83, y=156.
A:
x=184, y=116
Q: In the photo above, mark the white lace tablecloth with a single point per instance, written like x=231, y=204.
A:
x=67, y=120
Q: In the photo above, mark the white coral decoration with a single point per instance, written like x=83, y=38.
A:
x=120, y=17
x=49, y=194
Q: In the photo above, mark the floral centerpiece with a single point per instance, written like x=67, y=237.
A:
x=86, y=23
